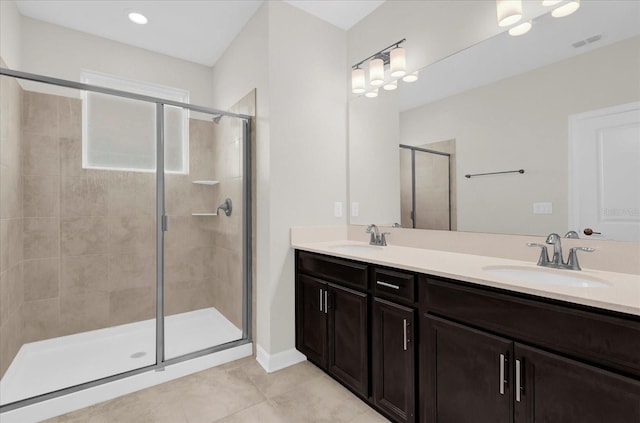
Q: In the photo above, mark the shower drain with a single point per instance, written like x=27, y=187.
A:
x=138, y=354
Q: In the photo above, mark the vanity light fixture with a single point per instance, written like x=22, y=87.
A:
x=394, y=56
x=376, y=72
x=137, y=18
x=372, y=94
x=520, y=29
x=358, y=83
x=566, y=9
x=509, y=11
x=411, y=77
x=391, y=85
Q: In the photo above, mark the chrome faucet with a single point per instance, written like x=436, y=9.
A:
x=376, y=237
x=557, y=261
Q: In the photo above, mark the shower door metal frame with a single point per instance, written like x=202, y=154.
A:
x=413, y=150
x=161, y=227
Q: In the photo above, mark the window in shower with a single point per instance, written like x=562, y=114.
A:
x=120, y=135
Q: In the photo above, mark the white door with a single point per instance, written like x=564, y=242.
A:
x=604, y=173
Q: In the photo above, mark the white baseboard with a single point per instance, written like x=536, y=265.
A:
x=274, y=362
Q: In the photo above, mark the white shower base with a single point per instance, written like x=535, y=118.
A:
x=52, y=364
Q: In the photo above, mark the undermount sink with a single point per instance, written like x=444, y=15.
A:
x=546, y=277
x=355, y=248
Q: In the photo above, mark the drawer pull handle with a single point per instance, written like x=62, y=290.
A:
x=502, y=380
x=388, y=285
x=518, y=381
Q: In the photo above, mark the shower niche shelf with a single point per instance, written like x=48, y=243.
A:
x=204, y=214
x=206, y=182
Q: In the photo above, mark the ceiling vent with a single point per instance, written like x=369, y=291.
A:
x=586, y=41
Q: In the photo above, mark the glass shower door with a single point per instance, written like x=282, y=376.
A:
x=85, y=246
x=203, y=244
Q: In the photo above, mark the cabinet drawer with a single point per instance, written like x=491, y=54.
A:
x=605, y=339
x=333, y=269
x=394, y=285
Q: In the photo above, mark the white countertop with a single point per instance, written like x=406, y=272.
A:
x=622, y=293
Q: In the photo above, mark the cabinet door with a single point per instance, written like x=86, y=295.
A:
x=348, y=340
x=311, y=319
x=393, y=359
x=465, y=374
x=557, y=389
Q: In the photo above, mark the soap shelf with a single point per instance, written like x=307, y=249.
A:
x=204, y=214
x=206, y=182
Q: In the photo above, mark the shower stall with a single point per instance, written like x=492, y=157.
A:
x=125, y=238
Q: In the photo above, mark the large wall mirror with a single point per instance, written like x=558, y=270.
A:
x=561, y=103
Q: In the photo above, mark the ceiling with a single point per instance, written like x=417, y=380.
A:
x=502, y=56
x=195, y=30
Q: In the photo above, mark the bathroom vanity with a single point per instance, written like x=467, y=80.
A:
x=441, y=346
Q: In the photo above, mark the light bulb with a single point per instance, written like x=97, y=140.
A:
x=398, y=62
x=521, y=29
x=411, y=77
x=372, y=94
x=391, y=85
x=566, y=9
x=509, y=11
x=357, y=81
x=138, y=18
x=376, y=72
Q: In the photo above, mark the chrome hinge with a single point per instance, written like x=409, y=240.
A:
x=165, y=223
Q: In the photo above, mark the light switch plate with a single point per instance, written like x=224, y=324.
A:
x=542, y=208
x=355, y=209
x=337, y=209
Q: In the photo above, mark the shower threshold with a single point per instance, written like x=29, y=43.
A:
x=49, y=365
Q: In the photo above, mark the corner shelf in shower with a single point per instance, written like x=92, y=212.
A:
x=204, y=214
x=206, y=182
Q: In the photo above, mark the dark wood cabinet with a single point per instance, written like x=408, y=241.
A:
x=469, y=374
x=348, y=338
x=311, y=318
x=393, y=359
x=472, y=354
x=465, y=374
x=558, y=389
x=332, y=323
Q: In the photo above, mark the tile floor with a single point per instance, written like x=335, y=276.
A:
x=237, y=392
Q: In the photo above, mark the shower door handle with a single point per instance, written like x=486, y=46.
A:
x=165, y=223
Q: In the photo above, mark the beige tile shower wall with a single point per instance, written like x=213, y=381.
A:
x=11, y=222
x=90, y=243
x=228, y=229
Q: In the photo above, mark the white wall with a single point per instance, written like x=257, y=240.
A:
x=59, y=52
x=373, y=156
x=522, y=122
x=296, y=62
x=10, y=34
x=308, y=123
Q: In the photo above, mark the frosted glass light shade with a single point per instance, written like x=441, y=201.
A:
x=521, y=29
x=411, y=77
x=390, y=86
x=509, y=11
x=372, y=94
x=358, y=81
x=398, y=62
x=376, y=72
x=566, y=9
x=550, y=2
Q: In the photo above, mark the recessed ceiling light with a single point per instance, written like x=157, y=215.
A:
x=138, y=18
